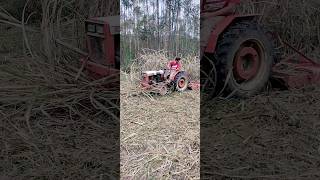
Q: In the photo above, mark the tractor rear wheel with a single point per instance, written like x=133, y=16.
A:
x=244, y=59
x=181, y=82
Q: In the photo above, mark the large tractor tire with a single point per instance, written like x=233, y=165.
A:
x=181, y=81
x=244, y=58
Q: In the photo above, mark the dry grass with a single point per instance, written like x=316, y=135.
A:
x=296, y=21
x=53, y=126
x=270, y=136
x=159, y=134
x=156, y=60
x=274, y=135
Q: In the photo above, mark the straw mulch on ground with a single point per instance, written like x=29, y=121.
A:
x=270, y=136
x=160, y=135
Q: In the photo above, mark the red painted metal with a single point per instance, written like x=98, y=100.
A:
x=109, y=45
x=99, y=70
x=149, y=83
x=101, y=64
x=296, y=72
x=174, y=74
x=145, y=82
x=181, y=83
x=292, y=72
x=297, y=75
x=247, y=63
x=221, y=27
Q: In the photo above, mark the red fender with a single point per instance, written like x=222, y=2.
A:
x=175, y=75
x=221, y=27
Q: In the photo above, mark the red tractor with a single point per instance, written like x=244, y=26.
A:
x=159, y=81
x=238, y=56
x=103, y=45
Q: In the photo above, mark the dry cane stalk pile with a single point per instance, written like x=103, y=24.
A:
x=55, y=122
x=159, y=135
x=270, y=136
x=153, y=60
x=274, y=135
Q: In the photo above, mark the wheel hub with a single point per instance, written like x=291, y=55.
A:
x=181, y=83
x=246, y=64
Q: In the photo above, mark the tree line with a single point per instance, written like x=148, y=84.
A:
x=169, y=25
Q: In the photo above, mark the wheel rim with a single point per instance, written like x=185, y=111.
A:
x=181, y=83
x=248, y=61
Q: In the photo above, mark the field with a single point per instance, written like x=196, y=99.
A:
x=270, y=136
x=160, y=135
x=54, y=124
x=274, y=135
x=57, y=124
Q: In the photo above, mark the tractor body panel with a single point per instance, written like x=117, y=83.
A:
x=112, y=21
x=151, y=78
x=102, y=41
x=159, y=82
x=221, y=27
x=245, y=63
x=97, y=70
